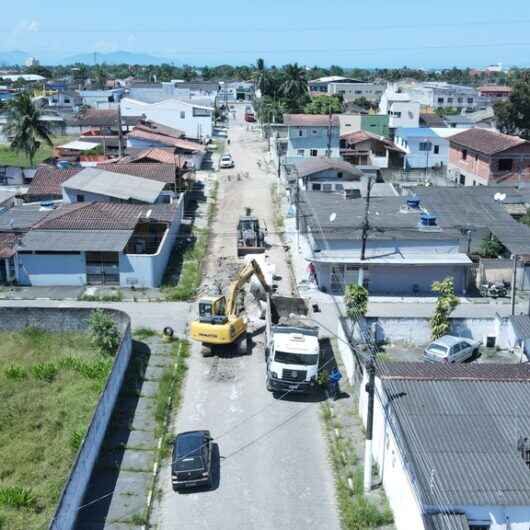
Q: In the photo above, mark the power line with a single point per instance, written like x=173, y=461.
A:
x=289, y=30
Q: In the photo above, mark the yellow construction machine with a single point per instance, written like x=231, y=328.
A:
x=220, y=322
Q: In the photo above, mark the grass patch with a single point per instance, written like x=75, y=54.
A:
x=356, y=512
x=116, y=296
x=48, y=389
x=8, y=157
x=276, y=204
x=144, y=333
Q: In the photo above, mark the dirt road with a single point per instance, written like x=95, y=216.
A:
x=272, y=471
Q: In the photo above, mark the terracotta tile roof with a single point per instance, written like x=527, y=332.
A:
x=7, y=245
x=100, y=118
x=153, y=171
x=153, y=126
x=486, y=141
x=310, y=120
x=156, y=154
x=185, y=145
x=48, y=180
x=103, y=216
x=495, y=88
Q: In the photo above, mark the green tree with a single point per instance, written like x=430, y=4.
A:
x=364, y=103
x=356, y=300
x=323, y=105
x=25, y=127
x=294, y=85
x=445, y=305
x=491, y=247
x=261, y=77
x=513, y=116
x=100, y=76
x=104, y=333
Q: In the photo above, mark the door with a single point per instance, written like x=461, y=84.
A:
x=336, y=280
x=102, y=268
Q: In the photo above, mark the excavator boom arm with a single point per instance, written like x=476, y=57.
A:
x=242, y=278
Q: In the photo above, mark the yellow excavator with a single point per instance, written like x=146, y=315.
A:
x=220, y=322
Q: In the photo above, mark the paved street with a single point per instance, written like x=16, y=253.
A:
x=273, y=471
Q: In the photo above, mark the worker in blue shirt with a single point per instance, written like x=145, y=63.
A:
x=334, y=377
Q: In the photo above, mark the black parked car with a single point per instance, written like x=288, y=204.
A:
x=192, y=460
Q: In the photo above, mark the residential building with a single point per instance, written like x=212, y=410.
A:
x=55, y=122
x=100, y=243
x=362, y=148
x=102, y=99
x=320, y=85
x=424, y=147
x=440, y=95
x=99, y=185
x=459, y=121
x=352, y=91
x=451, y=448
x=234, y=91
x=486, y=157
x=46, y=184
x=195, y=121
x=490, y=94
x=64, y=100
x=401, y=109
x=376, y=124
x=484, y=118
x=185, y=90
x=431, y=119
x=311, y=136
x=349, y=123
x=103, y=120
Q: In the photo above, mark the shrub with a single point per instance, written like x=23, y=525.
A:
x=144, y=333
x=15, y=372
x=91, y=369
x=104, y=333
x=16, y=497
x=44, y=371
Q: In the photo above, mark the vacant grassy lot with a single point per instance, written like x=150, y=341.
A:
x=49, y=386
x=8, y=157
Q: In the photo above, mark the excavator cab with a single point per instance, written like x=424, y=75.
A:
x=212, y=310
x=251, y=239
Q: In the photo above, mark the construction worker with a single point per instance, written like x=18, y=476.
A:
x=333, y=383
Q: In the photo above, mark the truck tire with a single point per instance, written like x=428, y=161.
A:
x=268, y=385
x=248, y=344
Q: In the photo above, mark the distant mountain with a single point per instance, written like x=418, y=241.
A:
x=120, y=57
x=13, y=58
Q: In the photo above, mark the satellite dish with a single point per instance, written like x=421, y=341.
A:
x=332, y=217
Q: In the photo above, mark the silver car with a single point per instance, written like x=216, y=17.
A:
x=449, y=349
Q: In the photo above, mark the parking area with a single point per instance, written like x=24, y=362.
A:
x=402, y=351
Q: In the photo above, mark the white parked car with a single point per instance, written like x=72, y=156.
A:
x=226, y=162
x=449, y=349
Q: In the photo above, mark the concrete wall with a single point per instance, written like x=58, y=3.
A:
x=63, y=320
x=70, y=196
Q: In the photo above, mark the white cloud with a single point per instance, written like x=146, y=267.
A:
x=27, y=26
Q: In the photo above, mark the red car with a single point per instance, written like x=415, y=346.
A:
x=249, y=117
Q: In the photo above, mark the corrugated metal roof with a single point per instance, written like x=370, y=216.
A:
x=521, y=325
x=310, y=166
x=310, y=120
x=76, y=240
x=461, y=437
x=446, y=521
x=21, y=218
x=118, y=185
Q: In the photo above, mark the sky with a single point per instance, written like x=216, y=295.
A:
x=383, y=33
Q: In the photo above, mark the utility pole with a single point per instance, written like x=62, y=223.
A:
x=328, y=151
x=514, y=280
x=370, y=389
x=177, y=174
x=120, y=132
x=364, y=237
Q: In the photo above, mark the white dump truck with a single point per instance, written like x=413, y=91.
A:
x=292, y=347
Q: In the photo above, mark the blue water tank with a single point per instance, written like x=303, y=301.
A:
x=63, y=164
x=427, y=219
x=413, y=202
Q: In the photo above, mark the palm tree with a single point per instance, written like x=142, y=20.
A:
x=25, y=127
x=261, y=77
x=295, y=83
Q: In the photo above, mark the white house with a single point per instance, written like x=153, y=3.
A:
x=401, y=109
x=352, y=91
x=311, y=136
x=425, y=147
x=102, y=99
x=194, y=120
x=451, y=445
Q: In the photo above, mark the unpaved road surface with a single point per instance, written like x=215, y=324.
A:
x=272, y=472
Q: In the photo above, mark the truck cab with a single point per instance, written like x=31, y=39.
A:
x=293, y=359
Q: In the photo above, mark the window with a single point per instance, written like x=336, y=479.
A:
x=425, y=146
x=464, y=154
x=397, y=114
x=327, y=187
x=339, y=175
x=317, y=187
x=462, y=180
x=315, y=132
x=339, y=187
x=479, y=526
x=474, y=183
x=314, y=152
x=358, y=91
x=460, y=100
x=440, y=101
x=67, y=100
x=436, y=149
x=470, y=100
x=505, y=164
x=80, y=198
x=450, y=100
x=300, y=132
x=300, y=152
x=182, y=115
